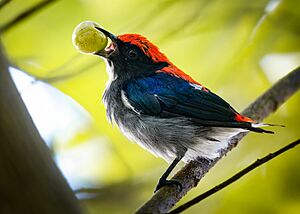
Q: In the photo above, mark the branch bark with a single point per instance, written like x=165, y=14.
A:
x=30, y=182
x=193, y=172
x=234, y=178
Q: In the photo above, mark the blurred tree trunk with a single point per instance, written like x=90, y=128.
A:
x=30, y=182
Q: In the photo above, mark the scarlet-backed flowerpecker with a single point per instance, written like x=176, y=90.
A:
x=164, y=110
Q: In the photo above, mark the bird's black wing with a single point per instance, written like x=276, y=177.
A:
x=167, y=96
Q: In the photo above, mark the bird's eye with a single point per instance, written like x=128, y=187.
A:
x=132, y=54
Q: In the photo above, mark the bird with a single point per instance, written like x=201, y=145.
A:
x=164, y=110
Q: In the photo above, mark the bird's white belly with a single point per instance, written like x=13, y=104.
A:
x=169, y=138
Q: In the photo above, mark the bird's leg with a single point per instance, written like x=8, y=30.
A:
x=163, y=179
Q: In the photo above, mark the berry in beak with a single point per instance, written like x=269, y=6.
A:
x=112, y=47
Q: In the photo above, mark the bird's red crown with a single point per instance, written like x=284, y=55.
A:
x=154, y=53
x=145, y=45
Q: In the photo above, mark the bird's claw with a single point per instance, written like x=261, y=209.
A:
x=165, y=182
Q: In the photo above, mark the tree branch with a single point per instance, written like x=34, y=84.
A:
x=190, y=174
x=3, y=3
x=235, y=177
x=25, y=15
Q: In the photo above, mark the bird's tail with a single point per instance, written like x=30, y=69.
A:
x=256, y=127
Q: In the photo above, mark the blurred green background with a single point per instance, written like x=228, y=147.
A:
x=236, y=48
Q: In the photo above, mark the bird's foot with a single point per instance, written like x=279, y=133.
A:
x=164, y=182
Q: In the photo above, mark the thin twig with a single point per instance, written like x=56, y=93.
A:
x=143, y=21
x=25, y=15
x=235, y=177
x=3, y=3
x=72, y=74
x=262, y=19
x=189, y=176
x=62, y=77
x=185, y=23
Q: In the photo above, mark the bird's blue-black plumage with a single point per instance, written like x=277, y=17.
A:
x=165, y=95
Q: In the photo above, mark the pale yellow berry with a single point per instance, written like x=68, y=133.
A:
x=87, y=39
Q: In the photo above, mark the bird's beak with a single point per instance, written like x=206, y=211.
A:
x=112, y=47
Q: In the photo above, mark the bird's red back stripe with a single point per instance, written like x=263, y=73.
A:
x=242, y=118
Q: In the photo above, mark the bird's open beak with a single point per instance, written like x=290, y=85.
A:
x=112, y=47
